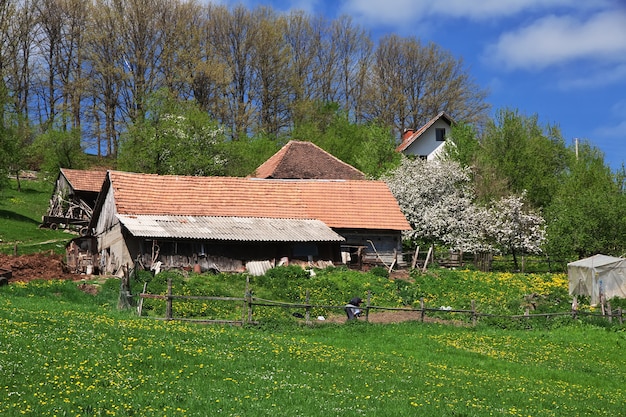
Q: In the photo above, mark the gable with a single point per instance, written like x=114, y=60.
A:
x=83, y=180
x=426, y=140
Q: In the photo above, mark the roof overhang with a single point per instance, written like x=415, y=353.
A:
x=241, y=229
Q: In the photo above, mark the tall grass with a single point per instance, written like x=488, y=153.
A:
x=63, y=352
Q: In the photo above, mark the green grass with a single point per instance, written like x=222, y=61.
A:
x=63, y=352
x=20, y=216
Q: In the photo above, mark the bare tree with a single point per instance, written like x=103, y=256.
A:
x=410, y=83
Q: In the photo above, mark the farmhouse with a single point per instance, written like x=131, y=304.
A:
x=73, y=199
x=428, y=141
x=305, y=160
x=226, y=223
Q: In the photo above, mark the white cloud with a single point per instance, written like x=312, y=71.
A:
x=402, y=12
x=554, y=40
x=595, y=77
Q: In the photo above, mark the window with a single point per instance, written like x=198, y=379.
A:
x=440, y=134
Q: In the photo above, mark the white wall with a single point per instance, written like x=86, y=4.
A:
x=427, y=144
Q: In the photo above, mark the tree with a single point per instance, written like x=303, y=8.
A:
x=588, y=213
x=516, y=149
x=410, y=83
x=514, y=228
x=175, y=137
x=58, y=148
x=437, y=199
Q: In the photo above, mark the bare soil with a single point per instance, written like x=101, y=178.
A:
x=44, y=266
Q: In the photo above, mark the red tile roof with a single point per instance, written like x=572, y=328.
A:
x=338, y=203
x=409, y=139
x=306, y=160
x=82, y=180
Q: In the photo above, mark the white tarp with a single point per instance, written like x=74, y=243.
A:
x=598, y=275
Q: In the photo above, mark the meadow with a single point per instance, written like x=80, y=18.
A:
x=64, y=352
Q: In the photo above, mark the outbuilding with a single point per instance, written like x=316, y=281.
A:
x=600, y=277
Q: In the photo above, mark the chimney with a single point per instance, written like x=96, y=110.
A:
x=407, y=134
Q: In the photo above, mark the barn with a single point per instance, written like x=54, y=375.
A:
x=227, y=223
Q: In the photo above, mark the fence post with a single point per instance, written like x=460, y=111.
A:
x=307, y=311
x=473, y=313
x=422, y=311
x=367, y=306
x=140, y=306
x=248, y=300
x=619, y=313
x=609, y=311
x=168, y=308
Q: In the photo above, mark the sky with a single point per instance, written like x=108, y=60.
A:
x=563, y=60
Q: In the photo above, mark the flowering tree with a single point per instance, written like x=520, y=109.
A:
x=437, y=199
x=514, y=228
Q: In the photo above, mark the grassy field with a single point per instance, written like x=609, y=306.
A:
x=63, y=352
x=20, y=216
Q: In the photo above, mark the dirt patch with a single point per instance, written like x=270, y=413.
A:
x=394, y=316
x=46, y=266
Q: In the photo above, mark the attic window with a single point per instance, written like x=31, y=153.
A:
x=440, y=134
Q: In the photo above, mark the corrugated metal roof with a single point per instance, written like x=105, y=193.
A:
x=229, y=228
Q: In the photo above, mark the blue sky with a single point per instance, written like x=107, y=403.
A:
x=564, y=60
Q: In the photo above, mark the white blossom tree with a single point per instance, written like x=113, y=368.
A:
x=514, y=228
x=437, y=199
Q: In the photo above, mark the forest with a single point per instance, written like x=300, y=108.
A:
x=179, y=87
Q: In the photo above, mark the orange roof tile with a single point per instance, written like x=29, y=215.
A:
x=82, y=180
x=298, y=159
x=338, y=203
x=413, y=137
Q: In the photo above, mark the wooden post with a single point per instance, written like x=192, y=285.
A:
x=367, y=306
x=619, y=314
x=574, y=308
x=422, y=311
x=473, y=312
x=307, y=311
x=125, y=298
x=609, y=311
x=168, y=308
x=249, y=302
x=428, y=255
x=140, y=305
x=417, y=252
x=15, y=250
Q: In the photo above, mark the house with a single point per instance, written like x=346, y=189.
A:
x=227, y=223
x=73, y=199
x=305, y=160
x=428, y=141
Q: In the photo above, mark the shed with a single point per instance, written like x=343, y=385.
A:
x=73, y=199
x=599, y=276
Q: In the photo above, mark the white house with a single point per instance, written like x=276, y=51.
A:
x=427, y=141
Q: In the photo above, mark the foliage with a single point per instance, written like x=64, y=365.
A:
x=57, y=149
x=588, y=214
x=175, y=137
x=70, y=357
x=528, y=156
x=462, y=145
x=369, y=147
x=247, y=154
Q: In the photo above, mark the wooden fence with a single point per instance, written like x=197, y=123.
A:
x=248, y=302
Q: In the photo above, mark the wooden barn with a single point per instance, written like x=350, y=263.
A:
x=226, y=223
x=73, y=199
